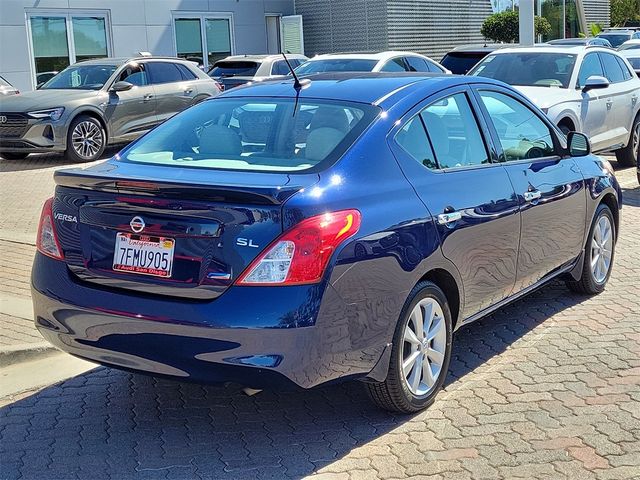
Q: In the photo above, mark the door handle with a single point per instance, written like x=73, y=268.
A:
x=147, y=97
x=634, y=100
x=609, y=104
x=447, y=218
x=188, y=90
x=531, y=196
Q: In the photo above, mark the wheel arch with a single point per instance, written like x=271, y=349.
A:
x=94, y=114
x=448, y=284
x=610, y=201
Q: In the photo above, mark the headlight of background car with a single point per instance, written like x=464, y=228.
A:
x=52, y=113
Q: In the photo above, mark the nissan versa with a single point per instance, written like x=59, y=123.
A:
x=342, y=227
x=98, y=102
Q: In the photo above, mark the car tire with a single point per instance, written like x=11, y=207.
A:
x=86, y=139
x=595, y=274
x=628, y=156
x=398, y=392
x=14, y=155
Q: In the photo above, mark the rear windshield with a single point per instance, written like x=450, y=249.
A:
x=615, y=39
x=255, y=134
x=336, y=65
x=234, y=69
x=461, y=63
x=528, y=69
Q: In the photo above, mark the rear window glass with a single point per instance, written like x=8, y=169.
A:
x=256, y=134
x=461, y=63
x=233, y=69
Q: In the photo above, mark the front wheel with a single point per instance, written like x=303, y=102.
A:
x=598, y=254
x=628, y=156
x=420, y=353
x=86, y=139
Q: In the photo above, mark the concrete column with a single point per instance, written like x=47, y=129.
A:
x=527, y=35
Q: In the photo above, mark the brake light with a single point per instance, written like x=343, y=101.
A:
x=301, y=254
x=47, y=241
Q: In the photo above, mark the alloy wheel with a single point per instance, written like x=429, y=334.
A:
x=87, y=139
x=424, y=347
x=636, y=141
x=601, y=249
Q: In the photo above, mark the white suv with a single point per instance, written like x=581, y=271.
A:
x=592, y=90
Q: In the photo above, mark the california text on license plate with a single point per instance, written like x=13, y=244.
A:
x=143, y=254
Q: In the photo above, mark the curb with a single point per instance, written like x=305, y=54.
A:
x=26, y=352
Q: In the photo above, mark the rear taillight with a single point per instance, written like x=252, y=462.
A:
x=301, y=254
x=47, y=241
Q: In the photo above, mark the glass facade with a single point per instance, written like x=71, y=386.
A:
x=50, y=45
x=196, y=35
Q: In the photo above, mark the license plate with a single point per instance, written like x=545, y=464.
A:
x=143, y=254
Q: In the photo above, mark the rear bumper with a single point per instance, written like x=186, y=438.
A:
x=256, y=336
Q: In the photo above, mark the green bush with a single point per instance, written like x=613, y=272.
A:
x=623, y=11
x=505, y=27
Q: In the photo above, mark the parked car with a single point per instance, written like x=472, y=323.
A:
x=370, y=62
x=462, y=59
x=284, y=236
x=630, y=45
x=241, y=69
x=618, y=36
x=633, y=57
x=591, y=41
x=6, y=88
x=98, y=102
x=588, y=89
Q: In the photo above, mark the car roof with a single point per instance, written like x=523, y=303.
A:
x=378, y=56
x=544, y=48
x=362, y=87
x=482, y=47
x=123, y=60
x=258, y=58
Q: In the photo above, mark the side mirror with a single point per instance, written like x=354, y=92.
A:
x=121, y=87
x=578, y=144
x=595, y=82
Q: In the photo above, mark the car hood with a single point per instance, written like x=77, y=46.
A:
x=43, y=99
x=545, y=97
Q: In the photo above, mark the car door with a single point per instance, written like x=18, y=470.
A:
x=442, y=148
x=621, y=101
x=173, y=93
x=594, y=113
x=550, y=189
x=131, y=112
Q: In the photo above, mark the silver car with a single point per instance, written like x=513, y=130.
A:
x=92, y=104
x=6, y=88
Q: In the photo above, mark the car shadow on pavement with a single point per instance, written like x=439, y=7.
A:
x=631, y=197
x=48, y=160
x=112, y=424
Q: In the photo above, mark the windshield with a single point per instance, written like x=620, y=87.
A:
x=528, y=69
x=257, y=134
x=336, y=65
x=631, y=46
x=81, y=77
x=234, y=69
x=615, y=39
x=460, y=63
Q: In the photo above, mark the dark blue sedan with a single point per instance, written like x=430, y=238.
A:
x=285, y=234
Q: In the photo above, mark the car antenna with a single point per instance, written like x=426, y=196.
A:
x=297, y=84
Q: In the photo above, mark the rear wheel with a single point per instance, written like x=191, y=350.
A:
x=86, y=139
x=13, y=155
x=598, y=254
x=628, y=156
x=420, y=353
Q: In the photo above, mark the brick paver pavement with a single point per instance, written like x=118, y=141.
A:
x=548, y=387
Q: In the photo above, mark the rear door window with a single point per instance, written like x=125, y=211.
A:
x=256, y=134
x=164, y=72
x=280, y=67
x=612, y=69
x=417, y=64
x=394, y=65
x=185, y=72
x=625, y=69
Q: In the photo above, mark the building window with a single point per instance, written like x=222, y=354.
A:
x=61, y=39
x=203, y=38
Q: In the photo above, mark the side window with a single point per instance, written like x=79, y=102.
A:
x=612, y=68
x=454, y=133
x=280, y=67
x=417, y=64
x=185, y=72
x=134, y=74
x=522, y=134
x=413, y=140
x=163, y=72
x=625, y=70
x=590, y=66
x=394, y=65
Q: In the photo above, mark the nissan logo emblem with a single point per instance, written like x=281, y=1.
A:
x=137, y=224
x=3, y=119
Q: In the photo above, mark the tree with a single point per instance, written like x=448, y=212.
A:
x=623, y=11
x=505, y=27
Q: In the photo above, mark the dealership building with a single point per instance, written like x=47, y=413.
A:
x=43, y=36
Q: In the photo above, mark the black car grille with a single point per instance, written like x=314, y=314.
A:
x=13, y=125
